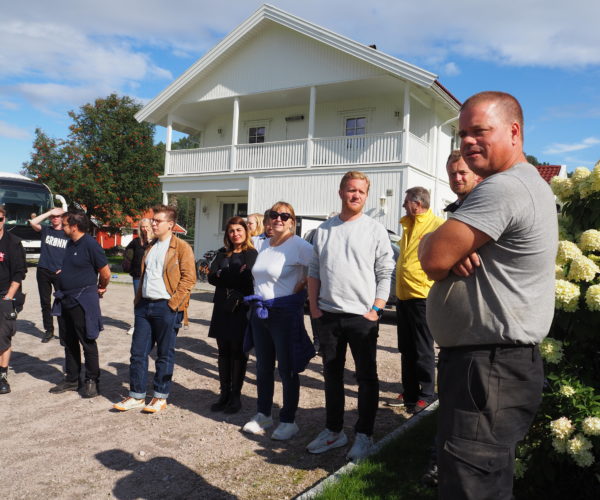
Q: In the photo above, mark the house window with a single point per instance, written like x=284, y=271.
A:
x=228, y=210
x=256, y=135
x=356, y=126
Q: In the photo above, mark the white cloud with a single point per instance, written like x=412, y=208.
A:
x=567, y=148
x=12, y=132
x=451, y=69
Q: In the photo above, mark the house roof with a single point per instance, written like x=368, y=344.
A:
x=158, y=107
x=548, y=171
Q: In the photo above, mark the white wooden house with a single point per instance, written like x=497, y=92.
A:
x=282, y=108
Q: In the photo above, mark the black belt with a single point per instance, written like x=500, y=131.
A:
x=486, y=347
x=153, y=300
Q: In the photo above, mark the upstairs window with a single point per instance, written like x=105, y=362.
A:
x=256, y=135
x=356, y=126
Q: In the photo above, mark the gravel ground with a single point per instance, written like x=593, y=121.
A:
x=66, y=447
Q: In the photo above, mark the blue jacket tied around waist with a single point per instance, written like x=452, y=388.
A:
x=302, y=348
x=86, y=297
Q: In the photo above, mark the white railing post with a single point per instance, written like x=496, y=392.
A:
x=311, y=126
x=234, y=133
x=168, y=145
x=406, y=122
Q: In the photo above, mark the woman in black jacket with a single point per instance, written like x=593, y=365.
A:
x=230, y=273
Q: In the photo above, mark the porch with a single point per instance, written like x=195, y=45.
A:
x=389, y=147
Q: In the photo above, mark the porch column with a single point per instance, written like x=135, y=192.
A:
x=234, y=133
x=406, y=122
x=435, y=156
x=197, y=214
x=169, y=140
x=165, y=198
x=311, y=126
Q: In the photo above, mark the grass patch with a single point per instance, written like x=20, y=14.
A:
x=392, y=474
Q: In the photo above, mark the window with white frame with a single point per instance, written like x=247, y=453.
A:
x=356, y=125
x=256, y=135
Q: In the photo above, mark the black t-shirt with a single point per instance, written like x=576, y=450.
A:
x=135, y=251
x=54, y=242
x=12, y=261
x=83, y=259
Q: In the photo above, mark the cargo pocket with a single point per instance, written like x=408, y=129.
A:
x=518, y=401
x=482, y=457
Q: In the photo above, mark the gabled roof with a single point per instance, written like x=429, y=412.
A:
x=159, y=106
x=548, y=171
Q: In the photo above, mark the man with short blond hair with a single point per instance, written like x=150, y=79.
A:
x=492, y=303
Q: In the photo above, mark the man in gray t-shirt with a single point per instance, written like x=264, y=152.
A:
x=492, y=303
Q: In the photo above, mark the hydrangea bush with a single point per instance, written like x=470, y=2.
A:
x=560, y=457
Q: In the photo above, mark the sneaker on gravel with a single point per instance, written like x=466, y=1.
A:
x=4, y=385
x=129, y=403
x=47, y=337
x=397, y=401
x=90, y=389
x=155, y=405
x=285, y=431
x=130, y=331
x=361, y=447
x=257, y=424
x=419, y=406
x=64, y=386
x=327, y=440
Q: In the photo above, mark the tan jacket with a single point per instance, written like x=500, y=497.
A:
x=179, y=274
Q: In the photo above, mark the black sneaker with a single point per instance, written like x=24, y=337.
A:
x=4, y=385
x=64, y=386
x=90, y=389
x=47, y=337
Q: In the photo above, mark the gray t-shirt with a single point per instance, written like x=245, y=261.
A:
x=154, y=284
x=354, y=262
x=510, y=298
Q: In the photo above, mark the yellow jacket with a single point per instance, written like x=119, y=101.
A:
x=411, y=280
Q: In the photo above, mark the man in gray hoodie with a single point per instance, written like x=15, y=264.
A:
x=348, y=286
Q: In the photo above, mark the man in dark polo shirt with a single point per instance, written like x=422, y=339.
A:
x=12, y=271
x=52, y=250
x=78, y=302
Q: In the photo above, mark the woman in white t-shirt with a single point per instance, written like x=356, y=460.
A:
x=277, y=321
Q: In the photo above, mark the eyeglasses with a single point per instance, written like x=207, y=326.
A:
x=158, y=221
x=284, y=215
x=1, y=219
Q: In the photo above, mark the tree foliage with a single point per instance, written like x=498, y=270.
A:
x=108, y=164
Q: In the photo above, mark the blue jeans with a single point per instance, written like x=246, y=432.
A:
x=136, y=282
x=155, y=323
x=271, y=341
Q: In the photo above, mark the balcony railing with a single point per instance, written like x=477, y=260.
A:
x=323, y=152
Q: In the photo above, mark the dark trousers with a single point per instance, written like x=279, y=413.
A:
x=155, y=323
x=488, y=397
x=361, y=335
x=47, y=280
x=415, y=344
x=72, y=338
x=271, y=341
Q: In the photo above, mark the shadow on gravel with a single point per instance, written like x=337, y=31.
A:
x=159, y=477
x=117, y=323
x=28, y=327
x=203, y=296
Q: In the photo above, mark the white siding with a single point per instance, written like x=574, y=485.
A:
x=279, y=59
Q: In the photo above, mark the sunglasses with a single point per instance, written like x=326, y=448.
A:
x=1, y=219
x=284, y=215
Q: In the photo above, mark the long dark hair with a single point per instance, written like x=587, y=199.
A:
x=246, y=245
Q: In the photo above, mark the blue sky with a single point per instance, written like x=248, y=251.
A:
x=56, y=56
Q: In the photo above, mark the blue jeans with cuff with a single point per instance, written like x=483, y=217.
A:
x=155, y=324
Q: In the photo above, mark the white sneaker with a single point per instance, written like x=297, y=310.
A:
x=363, y=444
x=129, y=403
x=130, y=331
x=285, y=431
x=327, y=440
x=257, y=424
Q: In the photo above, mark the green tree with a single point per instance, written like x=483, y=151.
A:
x=109, y=163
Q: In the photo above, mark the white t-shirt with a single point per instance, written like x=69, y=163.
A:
x=278, y=270
x=154, y=284
x=259, y=242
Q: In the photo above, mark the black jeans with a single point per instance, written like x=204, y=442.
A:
x=488, y=398
x=73, y=335
x=47, y=280
x=361, y=335
x=415, y=344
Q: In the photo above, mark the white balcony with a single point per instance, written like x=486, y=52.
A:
x=322, y=152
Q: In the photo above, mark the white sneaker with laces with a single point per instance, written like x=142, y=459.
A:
x=257, y=424
x=327, y=440
x=155, y=405
x=285, y=431
x=361, y=447
x=129, y=403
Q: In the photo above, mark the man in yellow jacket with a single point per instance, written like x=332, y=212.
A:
x=412, y=287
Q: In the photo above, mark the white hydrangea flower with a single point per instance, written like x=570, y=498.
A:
x=584, y=459
x=562, y=188
x=589, y=241
x=580, y=174
x=551, y=350
x=594, y=178
x=578, y=443
x=592, y=298
x=559, y=272
x=567, y=391
x=591, y=426
x=561, y=428
x=567, y=251
x=566, y=295
x=560, y=445
x=583, y=269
